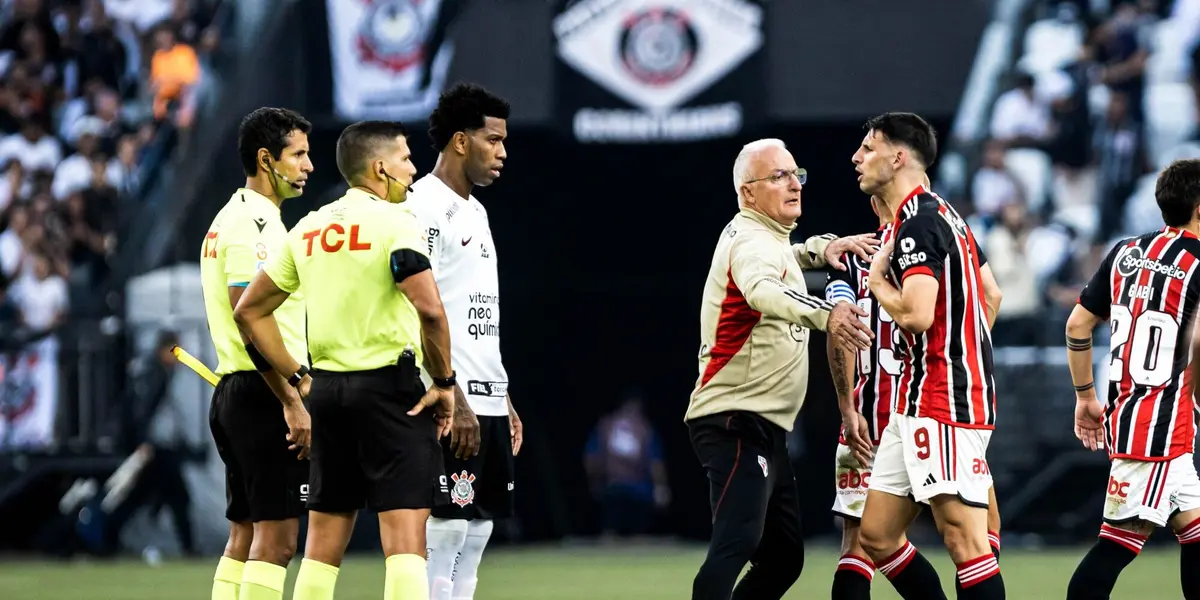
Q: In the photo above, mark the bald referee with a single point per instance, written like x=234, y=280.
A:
x=264, y=477
x=374, y=317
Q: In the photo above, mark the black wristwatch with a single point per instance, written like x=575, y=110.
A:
x=446, y=383
x=298, y=376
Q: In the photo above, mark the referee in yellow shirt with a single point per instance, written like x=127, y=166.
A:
x=375, y=316
x=265, y=479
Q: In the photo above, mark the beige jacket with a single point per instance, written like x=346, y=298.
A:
x=754, y=321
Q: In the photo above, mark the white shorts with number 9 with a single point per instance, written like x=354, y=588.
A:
x=923, y=458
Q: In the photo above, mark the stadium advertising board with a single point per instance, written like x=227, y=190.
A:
x=649, y=71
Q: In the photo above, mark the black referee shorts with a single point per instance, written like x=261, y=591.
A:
x=481, y=486
x=366, y=450
x=264, y=481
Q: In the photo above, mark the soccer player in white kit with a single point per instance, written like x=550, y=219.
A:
x=468, y=128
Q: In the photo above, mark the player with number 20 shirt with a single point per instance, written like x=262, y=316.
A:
x=1148, y=291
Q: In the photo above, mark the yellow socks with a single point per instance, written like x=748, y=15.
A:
x=316, y=581
x=227, y=579
x=406, y=578
x=262, y=581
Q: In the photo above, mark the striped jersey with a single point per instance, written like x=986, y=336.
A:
x=876, y=368
x=1147, y=291
x=947, y=374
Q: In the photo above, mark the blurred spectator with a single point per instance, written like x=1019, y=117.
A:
x=994, y=186
x=41, y=295
x=1121, y=159
x=13, y=185
x=142, y=14
x=1122, y=51
x=33, y=147
x=98, y=112
x=1070, y=147
x=102, y=57
x=1018, y=323
x=174, y=72
x=1019, y=118
x=625, y=468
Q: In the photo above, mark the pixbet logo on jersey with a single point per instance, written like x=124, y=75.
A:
x=1130, y=260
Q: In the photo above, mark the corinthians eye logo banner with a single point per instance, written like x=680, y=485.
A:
x=652, y=71
x=390, y=57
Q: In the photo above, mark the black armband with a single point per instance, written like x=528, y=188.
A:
x=1079, y=344
x=256, y=357
x=406, y=263
x=1085, y=387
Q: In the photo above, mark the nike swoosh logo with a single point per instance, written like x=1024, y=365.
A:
x=468, y=240
x=262, y=224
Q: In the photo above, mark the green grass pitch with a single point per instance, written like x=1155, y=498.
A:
x=576, y=573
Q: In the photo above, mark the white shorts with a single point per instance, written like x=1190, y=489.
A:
x=850, y=481
x=923, y=458
x=1151, y=491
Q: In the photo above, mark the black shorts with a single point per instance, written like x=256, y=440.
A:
x=264, y=481
x=366, y=450
x=481, y=486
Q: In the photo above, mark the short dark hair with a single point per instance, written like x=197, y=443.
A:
x=267, y=128
x=1177, y=192
x=361, y=141
x=908, y=129
x=463, y=107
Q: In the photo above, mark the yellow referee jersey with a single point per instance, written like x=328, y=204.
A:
x=243, y=236
x=341, y=254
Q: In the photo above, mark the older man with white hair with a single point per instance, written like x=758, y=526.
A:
x=755, y=320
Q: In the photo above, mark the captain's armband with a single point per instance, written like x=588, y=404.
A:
x=406, y=262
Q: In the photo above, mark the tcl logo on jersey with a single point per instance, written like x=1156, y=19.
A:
x=1131, y=260
x=487, y=388
x=1116, y=488
x=333, y=237
x=908, y=260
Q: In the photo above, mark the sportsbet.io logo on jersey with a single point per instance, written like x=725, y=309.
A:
x=657, y=55
x=1132, y=259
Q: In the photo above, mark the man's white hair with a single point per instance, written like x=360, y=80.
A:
x=741, y=166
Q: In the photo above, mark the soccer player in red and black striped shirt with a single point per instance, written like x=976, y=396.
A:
x=928, y=278
x=866, y=383
x=1148, y=289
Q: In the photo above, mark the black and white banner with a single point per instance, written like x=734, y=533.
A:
x=649, y=71
x=390, y=57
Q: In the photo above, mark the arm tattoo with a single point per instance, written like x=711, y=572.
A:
x=1075, y=344
x=839, y=373
x=1085, y=387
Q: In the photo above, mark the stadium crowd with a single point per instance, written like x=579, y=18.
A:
x=91, y=92
x=1103, y=97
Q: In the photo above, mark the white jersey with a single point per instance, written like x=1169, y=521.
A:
x=464, y=265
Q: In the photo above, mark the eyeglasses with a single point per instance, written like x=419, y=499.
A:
x=781, y=174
